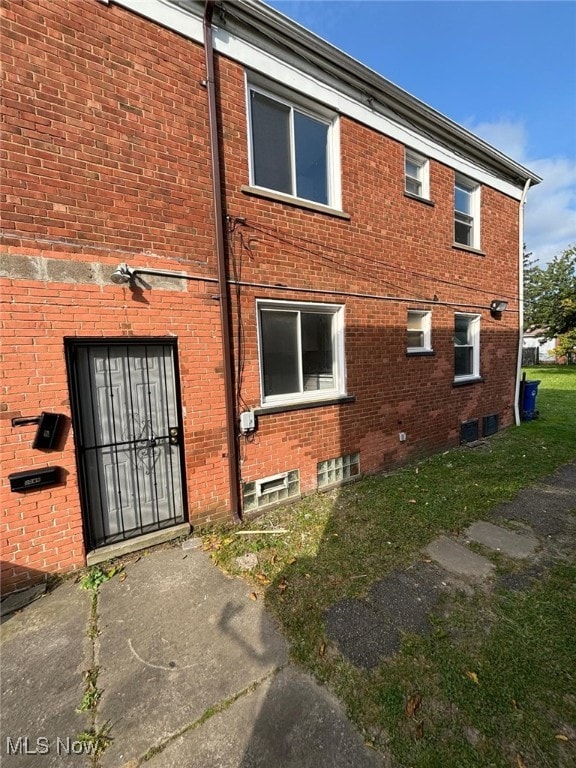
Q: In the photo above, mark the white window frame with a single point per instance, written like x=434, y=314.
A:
x=339, y=364
x=474, y=334
x=280, y=481
x=426, y=328
x=423, y=175
x=311, y=109
x=473, y=217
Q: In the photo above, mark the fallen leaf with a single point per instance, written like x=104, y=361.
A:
x=282, y=585
x=472, y=676
x=520, y=762
x=123, y=577
x=420, y=731
x=322, y=649
x=561, y=737
x=253, y=596
x=291, y=561
x=413, y=704
x=262, y=578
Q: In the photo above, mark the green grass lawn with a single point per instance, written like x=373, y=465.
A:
x=495, y=681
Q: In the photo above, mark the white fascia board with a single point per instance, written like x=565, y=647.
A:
x=167, y=15
x=184, y=23
x=272, y=68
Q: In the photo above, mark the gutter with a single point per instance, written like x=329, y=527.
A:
x=300, y=41
x=233, y=474
x=517, y=417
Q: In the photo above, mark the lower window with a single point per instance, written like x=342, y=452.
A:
x=301, y=351
x=466, y=347
x=338, y=470
x=271, y=490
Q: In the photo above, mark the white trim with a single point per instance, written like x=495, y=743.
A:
x=295, y=102
x=283, y=476
x=474, y=190
x=184, y=23
x=338, y=352
x=423, y=165
x=475, y=339
x=426, y=327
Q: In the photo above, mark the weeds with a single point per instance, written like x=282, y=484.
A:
x=494, y=679
x=96, y=740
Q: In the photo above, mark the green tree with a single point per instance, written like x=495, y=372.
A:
x=550, y=295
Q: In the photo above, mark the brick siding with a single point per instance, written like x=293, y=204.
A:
x=105, y=158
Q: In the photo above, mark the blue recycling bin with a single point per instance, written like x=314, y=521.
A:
x=529, y=411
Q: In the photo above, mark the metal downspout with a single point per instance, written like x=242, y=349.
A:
x=517, y=418
x=221, y=258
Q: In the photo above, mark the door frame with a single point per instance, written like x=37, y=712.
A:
x=71, y=344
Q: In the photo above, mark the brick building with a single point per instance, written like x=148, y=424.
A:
x=316, y=309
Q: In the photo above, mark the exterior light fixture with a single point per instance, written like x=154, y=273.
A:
x=497, y=306
x=122, y=274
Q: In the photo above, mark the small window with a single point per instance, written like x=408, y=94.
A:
x=293, y=148
x=301, y=351
x=466, y=213
x=419, y=331
x=339, y=470
x=416, y=175
x=270, y=490
x=466, y=347
x=272, y=484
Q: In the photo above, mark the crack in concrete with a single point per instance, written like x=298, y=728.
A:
x=215, y=709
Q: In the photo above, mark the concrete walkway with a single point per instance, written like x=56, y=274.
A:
x=535, y=529
x=192, y=673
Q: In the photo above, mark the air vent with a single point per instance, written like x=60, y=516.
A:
x=490, y=425
x=270, y=490
x=468, y=431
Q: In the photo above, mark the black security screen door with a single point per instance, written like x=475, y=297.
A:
x=128, y=428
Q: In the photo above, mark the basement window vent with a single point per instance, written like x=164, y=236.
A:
x=270, y=490
x=339, y=470
x=490, y=425
x=468, y=431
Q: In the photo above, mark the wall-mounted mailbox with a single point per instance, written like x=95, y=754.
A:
x=32, y=479
x=49, y=430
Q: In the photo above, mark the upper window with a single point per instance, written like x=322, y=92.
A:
x=419, y=331
x=466, y=347
x=416, y=178
x=293, y=148
x=466, y=212
x=301, y=351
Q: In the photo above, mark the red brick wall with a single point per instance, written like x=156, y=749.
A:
x=391, y=245
x=105, y=158
x=42, y=530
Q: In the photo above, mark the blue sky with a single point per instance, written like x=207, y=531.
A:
x=505, y=70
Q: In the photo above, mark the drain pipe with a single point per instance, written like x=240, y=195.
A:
x=221, y=258
x=517, y=418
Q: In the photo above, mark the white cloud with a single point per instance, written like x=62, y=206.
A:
x=550, y=216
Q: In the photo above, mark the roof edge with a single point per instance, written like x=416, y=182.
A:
x=269, y=22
